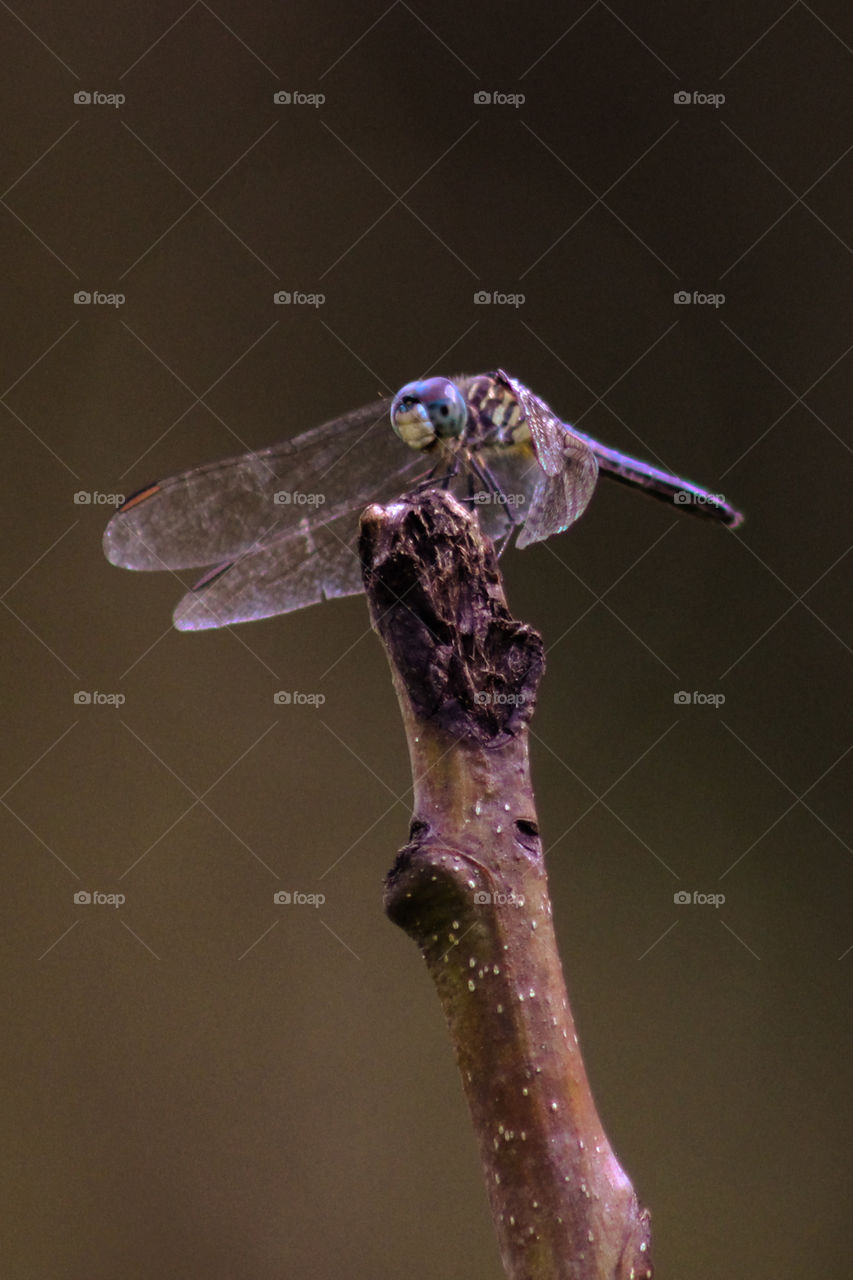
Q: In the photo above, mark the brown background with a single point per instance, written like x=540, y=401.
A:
x=200, y=1083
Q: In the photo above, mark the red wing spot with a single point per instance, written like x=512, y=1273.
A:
x=139, y=496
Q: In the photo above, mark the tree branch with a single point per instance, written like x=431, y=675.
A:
x=470, y=888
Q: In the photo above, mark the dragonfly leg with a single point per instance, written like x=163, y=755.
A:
x=491, y=485
x=451, y=472
x=429, y=480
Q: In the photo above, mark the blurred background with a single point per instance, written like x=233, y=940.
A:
x=202, y=1082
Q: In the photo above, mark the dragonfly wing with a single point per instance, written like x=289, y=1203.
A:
x=544, y=425
x=217, y=512
x=315, y=560
x=514, y=474
x=568, y=470
x=560, y=500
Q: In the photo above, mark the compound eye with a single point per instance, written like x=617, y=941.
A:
x=410, y=418
x=447, y=409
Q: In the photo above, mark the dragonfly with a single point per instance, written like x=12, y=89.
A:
x=277, y=528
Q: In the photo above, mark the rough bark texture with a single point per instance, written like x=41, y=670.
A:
x=470, y=888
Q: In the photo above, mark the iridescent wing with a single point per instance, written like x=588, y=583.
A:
x=514, y=475
x=567, y=469
x=317, y=560
x=285, y=520
x=314, y=561
x=218, y=511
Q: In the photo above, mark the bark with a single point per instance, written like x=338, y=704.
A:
x=470, y=888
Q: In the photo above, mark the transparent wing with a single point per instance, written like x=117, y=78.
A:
x=514, y=474
x=567, y=470
x=219, y=511
x=301, y=568
x=313, y=561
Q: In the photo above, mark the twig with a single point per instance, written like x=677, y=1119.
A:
x=470, y=887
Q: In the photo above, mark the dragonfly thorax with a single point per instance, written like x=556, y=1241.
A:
x=430, y=410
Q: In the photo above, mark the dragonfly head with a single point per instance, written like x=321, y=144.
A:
x=422, y=412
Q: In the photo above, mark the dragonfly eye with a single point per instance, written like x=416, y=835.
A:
x=423, y=411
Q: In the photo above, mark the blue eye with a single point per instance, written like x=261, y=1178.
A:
x=426, y=410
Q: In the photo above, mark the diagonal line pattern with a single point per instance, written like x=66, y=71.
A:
x=797, y=800
x=796, y=399
x=599, y=199
x=59, y=939
x=398, y=199
x=601, y=399
x=798, y=199
x=199, y=798
x=217, y=18
x=595, y=5
x=599, y=799
x=37, y=37
x=798, y=599
x=199, y=200
x=199, y=398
